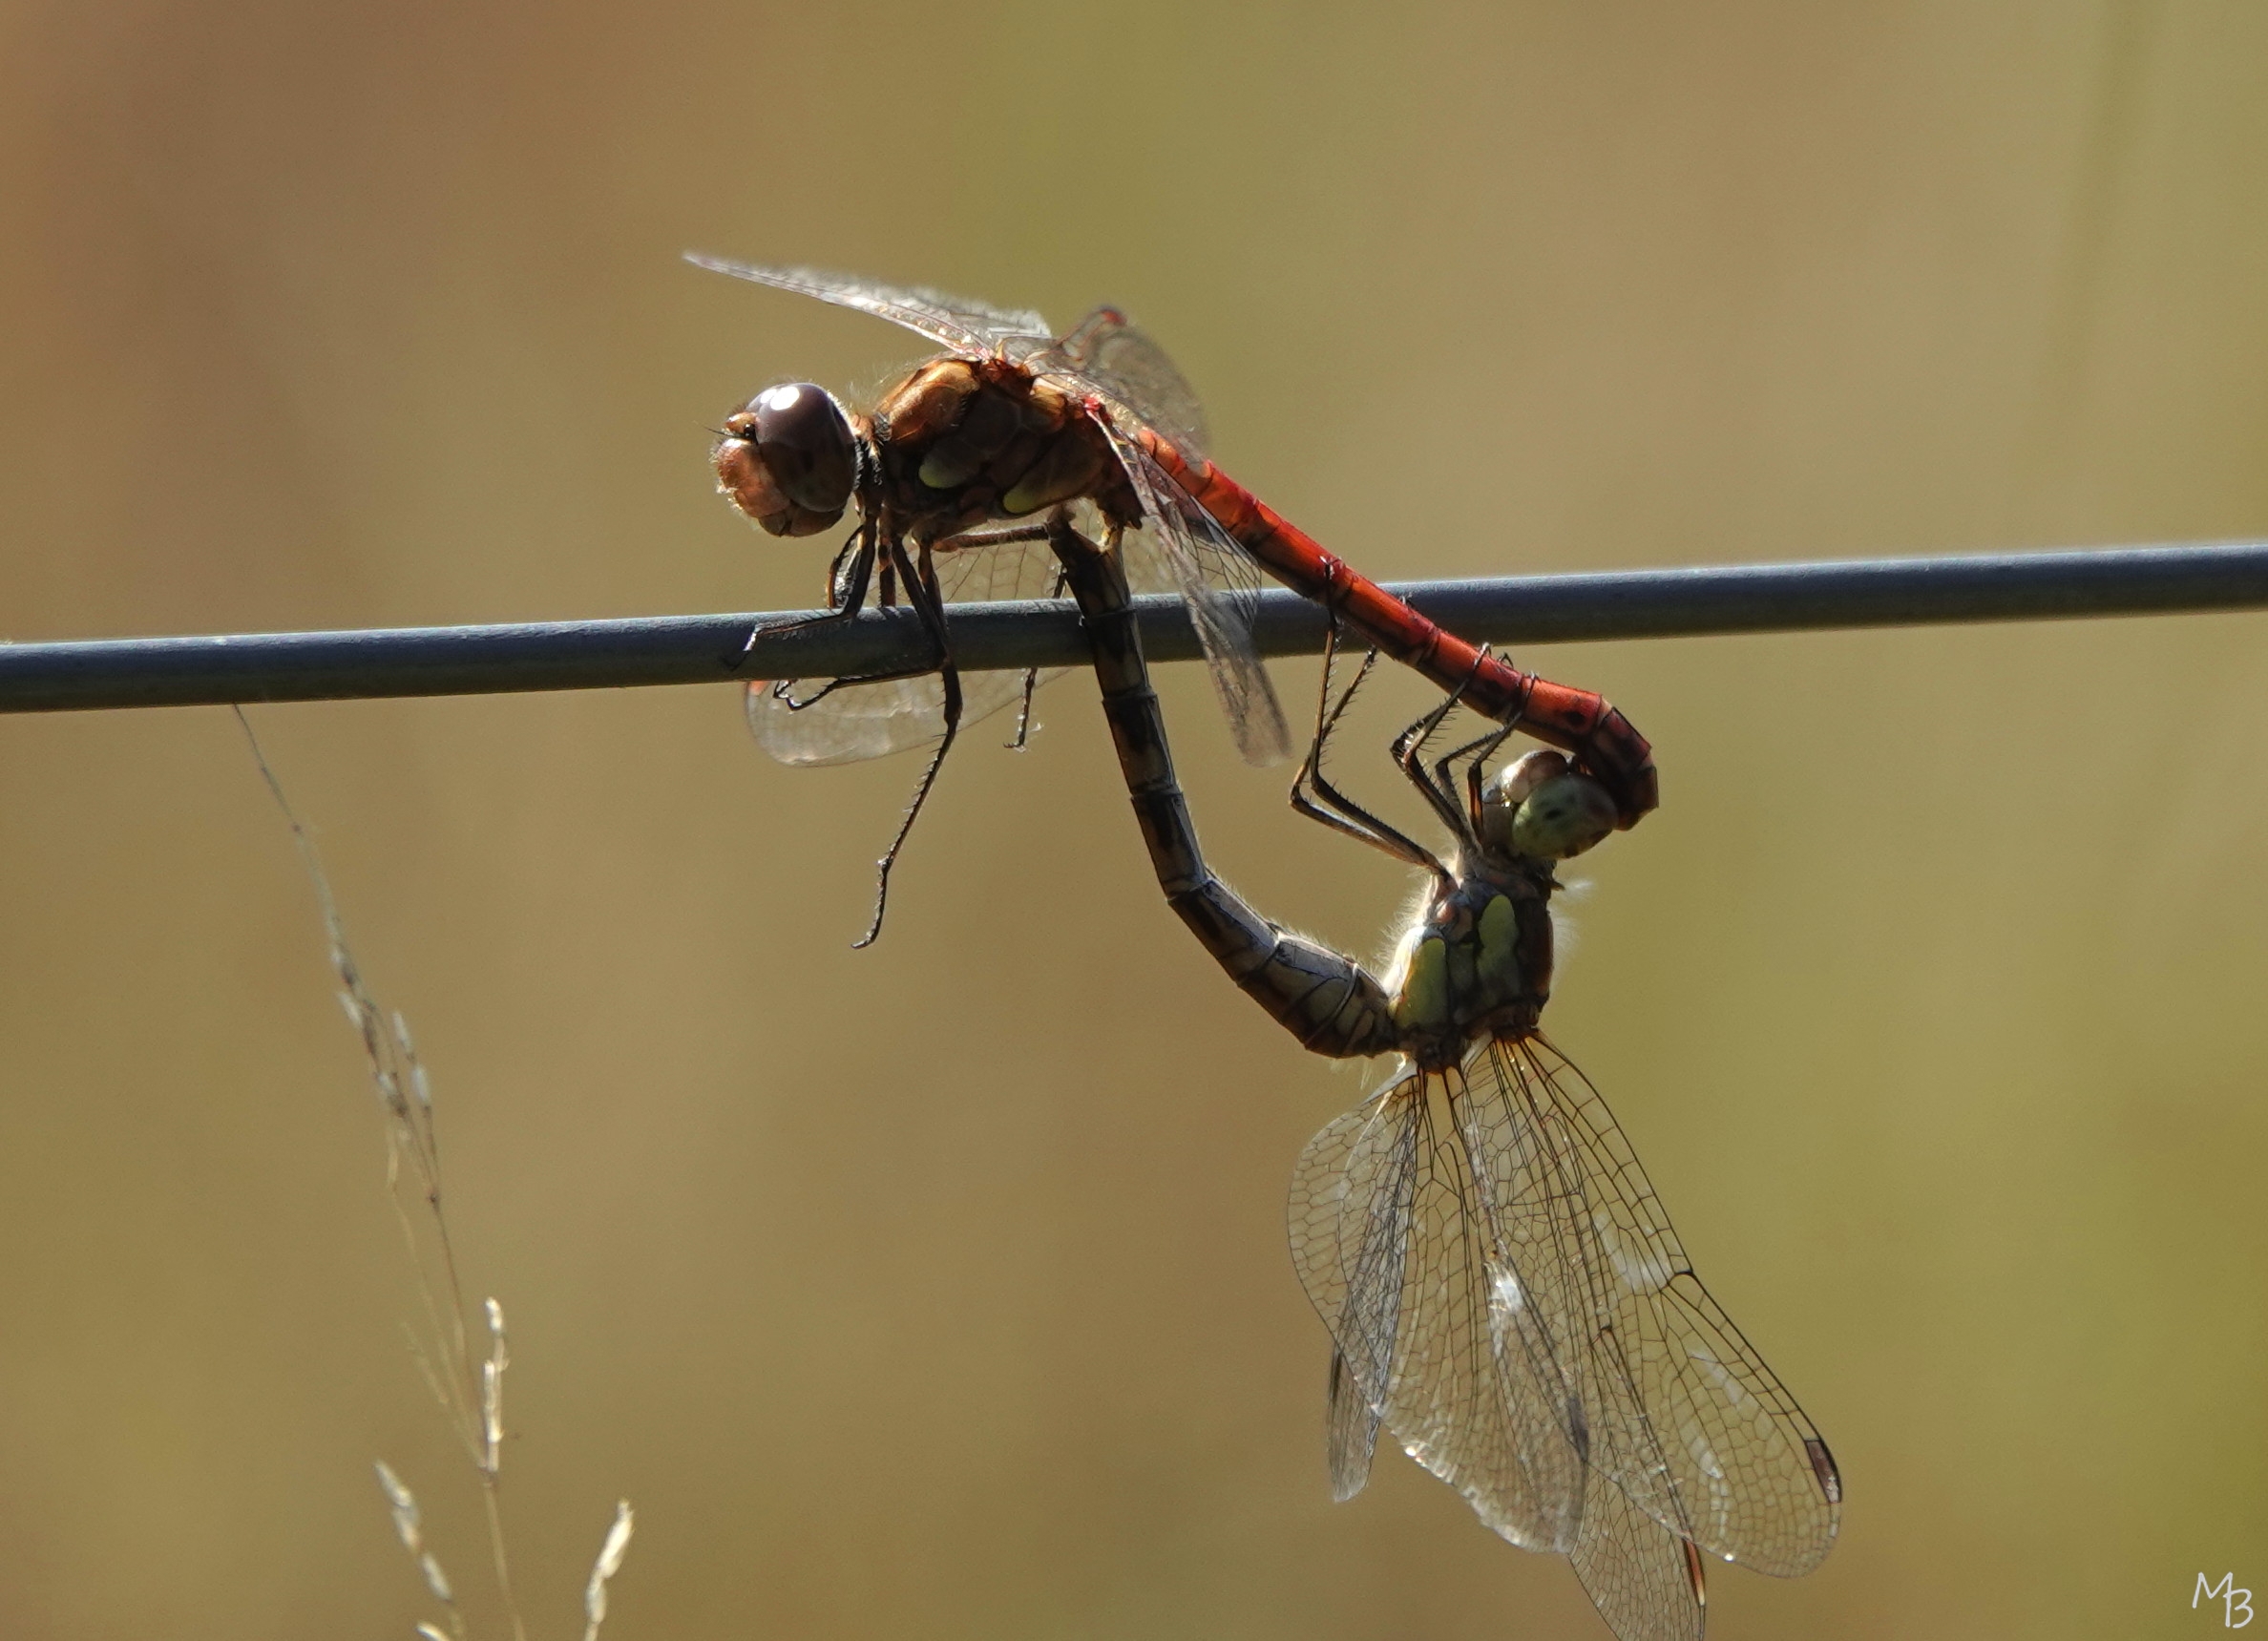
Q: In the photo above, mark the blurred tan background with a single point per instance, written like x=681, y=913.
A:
x=940, y=1290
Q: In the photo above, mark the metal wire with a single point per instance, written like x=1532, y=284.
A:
x=1505, y=610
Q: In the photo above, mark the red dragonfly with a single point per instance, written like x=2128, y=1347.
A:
x=1014, y=420
x=1502, y=1288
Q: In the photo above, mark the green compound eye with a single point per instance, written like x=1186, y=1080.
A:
x=1507, y=790
x=1564, y=816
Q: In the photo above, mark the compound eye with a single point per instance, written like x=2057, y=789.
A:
x=804, y=440
x=1564, y=816
x=1509, y=788
x=1540, y=807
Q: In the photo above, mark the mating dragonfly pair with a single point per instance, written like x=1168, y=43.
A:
x=1504, y=1291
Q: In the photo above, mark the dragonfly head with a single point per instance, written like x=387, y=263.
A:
x=787, y=459
x=1537, y=806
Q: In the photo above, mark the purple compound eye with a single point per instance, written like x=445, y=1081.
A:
x=787, y=459
x=805, y=441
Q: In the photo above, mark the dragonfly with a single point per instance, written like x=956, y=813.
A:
x=953, y=474
x=1504, y=1290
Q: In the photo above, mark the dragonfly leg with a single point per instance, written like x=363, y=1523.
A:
x=1473, y=754
x=847, y=582
x=1003, y=537
x=797, y=703
x=1438, y=785
x=897, y=568
x=1326, y=1000
x=921, y=588
x=1409, y=756
x=1031, y=681
x=1315, y=796
x=1024, y=710
x=1474, y=773
x=1006, y=535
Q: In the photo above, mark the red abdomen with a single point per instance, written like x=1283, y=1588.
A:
x=1575, y=720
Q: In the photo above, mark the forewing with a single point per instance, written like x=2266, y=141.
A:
x=1221, y=587
x=1667, y=1397
x=970, y=328
x=1645, y=1580
x=1106, y=354
x=1394, y=1258
x=853, y=722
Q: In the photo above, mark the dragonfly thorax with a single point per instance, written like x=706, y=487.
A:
x=1476, y=964
x=963, y=442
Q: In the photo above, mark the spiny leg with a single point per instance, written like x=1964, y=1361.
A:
x=1478, y=749
x=845, y=590
x=928, y=605
x=849, y=592
x=1031, y=678
x=1408, y=755
x=896, y=569
x=1331, y=807
x=1008, y=536
x=1328, y=806
x=1415, y=735
x=845, y=564
x=890, y=675
x=1474, y=809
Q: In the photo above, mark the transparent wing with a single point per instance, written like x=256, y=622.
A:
x=1645, y=1580
x=859, y=720
x=1351, y=1428
x=1510, y=1298
x=1107, y=357
x=1663, y=1394
x=971, y=328
x=1431, y=1334
x=1221, y=586
x=1106, y=354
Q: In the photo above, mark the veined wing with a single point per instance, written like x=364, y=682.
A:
x=1106, y=354
x=852, y=722
x=973, y=328
x=1644, y=1579
x=855, y=722
x=1400, y=1268
x=1437, y=1336
x=1351, y=1430
x=1664, y=1395
x=1221, y=586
